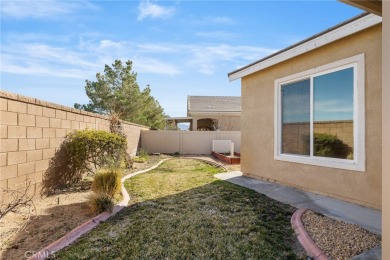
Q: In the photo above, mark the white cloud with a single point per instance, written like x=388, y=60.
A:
x=36, y=37
x=88, y=56
x=44, y=59
x=9, y=65
x=217, y=35
x=334, y=106
x=208, y=58
x=154, y=66
x=148, y=9
x=105, y=44
x=221, y=20
x=41, y=9
x=157, y=48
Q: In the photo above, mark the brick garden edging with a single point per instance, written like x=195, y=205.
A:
x=308, y=244
x=227, y=159
x=84, y=228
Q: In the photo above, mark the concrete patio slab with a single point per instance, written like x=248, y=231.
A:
x=373, y=254
x=367, y=218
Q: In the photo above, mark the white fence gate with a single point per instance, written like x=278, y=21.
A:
x=186, y=142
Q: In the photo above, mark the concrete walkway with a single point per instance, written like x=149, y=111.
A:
x=367, y=218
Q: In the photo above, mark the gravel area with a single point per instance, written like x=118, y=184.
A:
x=337, y=239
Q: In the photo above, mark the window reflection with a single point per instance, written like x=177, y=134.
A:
x=333, y=114
x=296, y=117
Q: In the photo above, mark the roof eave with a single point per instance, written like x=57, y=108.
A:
x=372, y=6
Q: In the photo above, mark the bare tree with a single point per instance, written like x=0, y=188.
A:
x=12, y=200
x=171, y=125
x=116, y=125
x=223, y=123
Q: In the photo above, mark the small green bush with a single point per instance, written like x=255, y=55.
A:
x=138, y=159
x=327, y=145
x=100, y=202
x=89, y=150
x=143, y=154
x=107, y=181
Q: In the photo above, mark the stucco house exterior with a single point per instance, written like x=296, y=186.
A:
x=209, y=113
x=311, y=113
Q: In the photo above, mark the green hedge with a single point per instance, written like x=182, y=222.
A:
x=327, y=145
x=90, y=150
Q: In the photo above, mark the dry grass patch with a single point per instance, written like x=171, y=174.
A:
x=180, y=211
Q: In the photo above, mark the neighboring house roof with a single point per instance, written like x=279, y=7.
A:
x=213, y=104
x=332, y=34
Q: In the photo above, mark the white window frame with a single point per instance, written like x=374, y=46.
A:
x=358, y=162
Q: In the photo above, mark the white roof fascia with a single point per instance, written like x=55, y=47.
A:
x=334, y=35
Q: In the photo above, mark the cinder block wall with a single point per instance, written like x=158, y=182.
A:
x=32, y=130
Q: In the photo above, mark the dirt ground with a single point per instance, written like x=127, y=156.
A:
x=22, y=233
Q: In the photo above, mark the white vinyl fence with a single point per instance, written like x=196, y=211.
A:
x=186, y=142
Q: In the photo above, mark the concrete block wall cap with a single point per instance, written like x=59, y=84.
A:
x=308, y=244
x=91, y=223
x=134, y=124
x=26, y=99
x=35, y=101
x=65, y=108
x=6, y=94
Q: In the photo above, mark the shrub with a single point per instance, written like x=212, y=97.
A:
x=89, y=150
x=100, y=202
x=107, y=181
x=326, y=145
x=138, y=159
x=143, y=153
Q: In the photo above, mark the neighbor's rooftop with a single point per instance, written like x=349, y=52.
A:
x=213, y=104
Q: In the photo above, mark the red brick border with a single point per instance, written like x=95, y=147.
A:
x=84, y=228
x=308, y=244
x=48, y=251
x=226, y=159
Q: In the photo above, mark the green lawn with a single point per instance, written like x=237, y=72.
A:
x=180, y=211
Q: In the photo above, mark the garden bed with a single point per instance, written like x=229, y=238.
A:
x=227, y=158
x=23, y=233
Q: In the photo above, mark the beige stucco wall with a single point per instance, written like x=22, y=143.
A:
x=257, y=124
x=386, y=131
x=32, y=131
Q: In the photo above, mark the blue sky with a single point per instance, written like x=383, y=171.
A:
x=332, y=98
x=49, y=48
